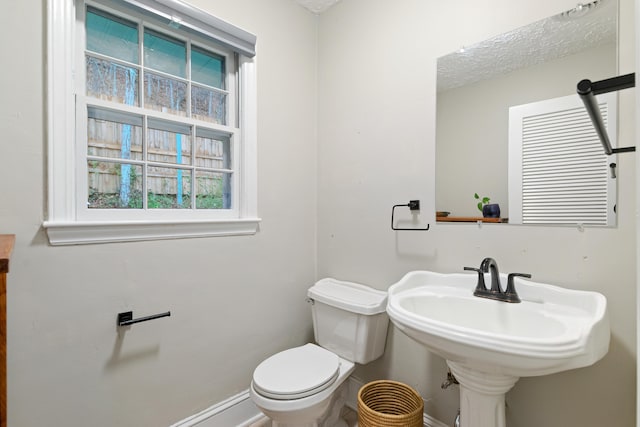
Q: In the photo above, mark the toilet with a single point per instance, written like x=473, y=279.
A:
x=305, y=386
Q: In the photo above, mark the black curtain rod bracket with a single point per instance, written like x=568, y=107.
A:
x=588, y=91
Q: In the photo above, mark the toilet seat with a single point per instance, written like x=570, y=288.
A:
x=296, y=373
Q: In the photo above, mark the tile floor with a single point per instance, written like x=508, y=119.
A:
x=348, y=414
x=262, y=423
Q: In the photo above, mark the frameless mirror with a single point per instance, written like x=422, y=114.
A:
x=479, y=85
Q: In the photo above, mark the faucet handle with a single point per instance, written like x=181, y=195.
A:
x=480, y=286
x=510, y=292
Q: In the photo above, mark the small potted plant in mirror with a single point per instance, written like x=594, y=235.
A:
x=489, y=210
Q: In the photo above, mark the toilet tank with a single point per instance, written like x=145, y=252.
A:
x=349, y=319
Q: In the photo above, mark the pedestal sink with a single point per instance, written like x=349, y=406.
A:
x=490, y=344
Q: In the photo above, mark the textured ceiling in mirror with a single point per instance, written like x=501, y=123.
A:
x=552, y=38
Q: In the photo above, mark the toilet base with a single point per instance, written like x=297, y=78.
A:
x=333, y=415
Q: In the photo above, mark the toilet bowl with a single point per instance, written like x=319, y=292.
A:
x=305, y=386
x=297, y=387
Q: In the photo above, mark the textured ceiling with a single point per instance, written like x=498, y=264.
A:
x=552, y=38
x=317, y=6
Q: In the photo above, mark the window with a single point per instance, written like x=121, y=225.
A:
x=151, y=123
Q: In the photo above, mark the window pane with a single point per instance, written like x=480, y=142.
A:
x=113, y=139
x=168, y=188
x=112, y=36
x=208, y=104
x=114, y=185
x=207, y=68
x=112, y=82
x=165, y=94
x=164, y=53
x=212, y=151
x=213, y=190
x=168, y=147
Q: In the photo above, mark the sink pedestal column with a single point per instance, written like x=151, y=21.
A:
x=481, y=396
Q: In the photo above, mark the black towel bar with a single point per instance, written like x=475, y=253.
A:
x=413, y=205
x=587, y=91
x=126, y=318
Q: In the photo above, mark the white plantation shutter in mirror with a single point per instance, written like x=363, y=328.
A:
x=558, y=171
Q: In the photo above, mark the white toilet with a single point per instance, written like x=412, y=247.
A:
x=305, y=386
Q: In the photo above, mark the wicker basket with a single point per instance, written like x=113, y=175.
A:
x=389, y=404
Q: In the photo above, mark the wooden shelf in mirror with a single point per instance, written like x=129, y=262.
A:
x=6, y=247
x=468, y=219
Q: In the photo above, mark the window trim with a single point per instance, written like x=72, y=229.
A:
x=62, y=224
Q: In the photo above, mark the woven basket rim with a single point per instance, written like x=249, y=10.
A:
x=405, y=387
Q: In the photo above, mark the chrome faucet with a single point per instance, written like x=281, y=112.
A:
x=489, y=265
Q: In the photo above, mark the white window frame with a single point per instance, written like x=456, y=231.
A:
x=66, y=222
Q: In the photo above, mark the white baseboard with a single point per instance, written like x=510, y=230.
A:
x=240, y=411
x=429, y=421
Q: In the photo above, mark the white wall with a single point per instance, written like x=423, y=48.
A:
x=377, y=70
x=233, y=300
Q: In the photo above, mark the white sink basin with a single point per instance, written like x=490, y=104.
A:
x=553, y=329
x=490, y=344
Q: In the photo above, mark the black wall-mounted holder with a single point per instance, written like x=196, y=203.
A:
x=126, y=318
x=587, y=91
x=413, y=205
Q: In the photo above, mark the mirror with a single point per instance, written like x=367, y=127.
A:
x=477, y=85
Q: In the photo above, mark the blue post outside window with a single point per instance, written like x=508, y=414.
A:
x=125, y=150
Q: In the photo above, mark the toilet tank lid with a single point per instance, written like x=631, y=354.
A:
x=349, y=296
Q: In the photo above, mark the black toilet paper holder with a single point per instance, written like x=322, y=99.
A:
x=126, y=318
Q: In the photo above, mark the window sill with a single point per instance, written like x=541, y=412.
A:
x=84, y=233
